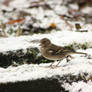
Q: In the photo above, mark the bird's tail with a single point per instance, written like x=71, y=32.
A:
x=80, y=53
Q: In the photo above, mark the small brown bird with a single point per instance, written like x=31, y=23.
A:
x=54, y=52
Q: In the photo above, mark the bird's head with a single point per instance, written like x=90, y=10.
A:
x=45, y=42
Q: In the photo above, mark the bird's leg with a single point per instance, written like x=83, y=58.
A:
x=51, y=64
x=58, y=63
x=67, y=59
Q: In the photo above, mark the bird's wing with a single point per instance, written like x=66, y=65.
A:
x=55, y=50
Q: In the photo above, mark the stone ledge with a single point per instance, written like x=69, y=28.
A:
x=52, y=84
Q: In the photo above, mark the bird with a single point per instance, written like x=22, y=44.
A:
x=54, y=52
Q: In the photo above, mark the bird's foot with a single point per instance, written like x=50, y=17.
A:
x=52, y=66
x=55, y=66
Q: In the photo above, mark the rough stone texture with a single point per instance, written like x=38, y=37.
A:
x=52, y=84
x=18, y=57
x=40, y=85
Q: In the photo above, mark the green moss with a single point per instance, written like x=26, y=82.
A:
x=79, y=45
x=11, y=31
x=32, y=55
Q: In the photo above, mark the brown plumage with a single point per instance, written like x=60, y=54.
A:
x=54, y=52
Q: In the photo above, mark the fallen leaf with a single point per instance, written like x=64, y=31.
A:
x=53, y=25
x=15, y=21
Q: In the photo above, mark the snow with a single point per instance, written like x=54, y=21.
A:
x=19, y=4
x=61, y=38
x=87, y=10
x=32, y=72
x=64, y=36
x=79, y=87
x=80, y=64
